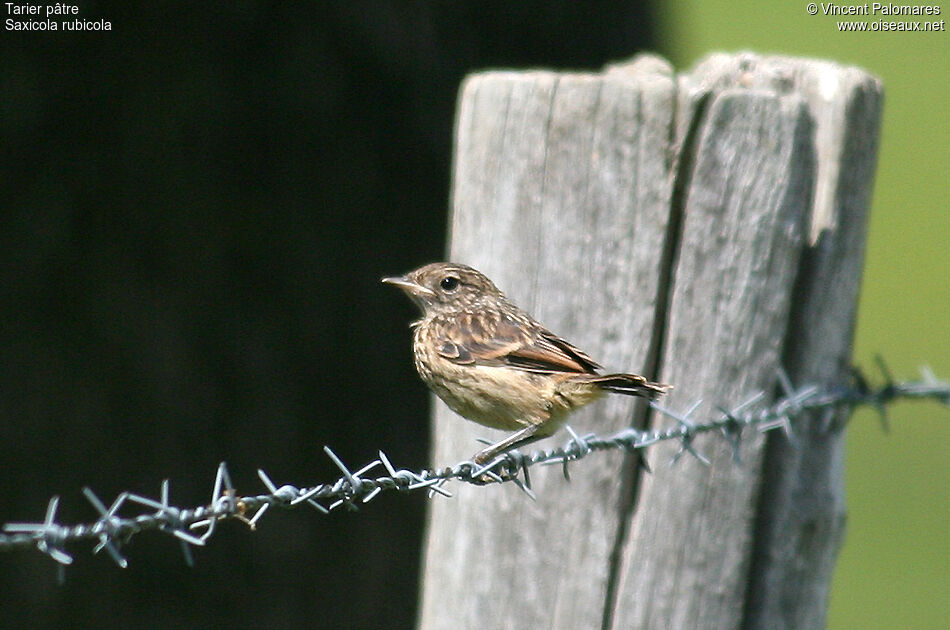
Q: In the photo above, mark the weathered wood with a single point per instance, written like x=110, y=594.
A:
x=561, y=196
x=742, y=231
x=574, y=192
x=801, y=511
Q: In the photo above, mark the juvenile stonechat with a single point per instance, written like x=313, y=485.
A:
x=494, y=364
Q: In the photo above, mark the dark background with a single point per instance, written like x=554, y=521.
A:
x=195, y=211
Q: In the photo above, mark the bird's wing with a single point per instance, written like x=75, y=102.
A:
x=503, y=341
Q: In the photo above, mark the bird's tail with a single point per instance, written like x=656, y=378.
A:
x=630, y=385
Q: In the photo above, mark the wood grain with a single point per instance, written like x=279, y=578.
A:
x=677, y=227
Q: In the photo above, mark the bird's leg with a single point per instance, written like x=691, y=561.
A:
x=519, y=438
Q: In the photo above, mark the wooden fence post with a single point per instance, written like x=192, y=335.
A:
x=706, y=230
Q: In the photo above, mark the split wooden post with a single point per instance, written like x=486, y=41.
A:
x=706, y=230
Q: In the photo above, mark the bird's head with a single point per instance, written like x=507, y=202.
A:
x=445, y=286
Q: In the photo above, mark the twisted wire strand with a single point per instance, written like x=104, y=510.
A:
x=194, y=526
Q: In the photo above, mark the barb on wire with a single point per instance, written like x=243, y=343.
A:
x=193, y=527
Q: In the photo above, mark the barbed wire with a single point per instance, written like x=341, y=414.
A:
x=194, y=526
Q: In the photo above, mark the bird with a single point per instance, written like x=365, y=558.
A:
x=494, y=364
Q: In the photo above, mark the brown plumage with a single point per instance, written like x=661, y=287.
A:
x=495, y=365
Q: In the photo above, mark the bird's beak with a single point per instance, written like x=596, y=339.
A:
x=413, y=289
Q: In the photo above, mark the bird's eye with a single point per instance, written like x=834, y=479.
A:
x=449, y=283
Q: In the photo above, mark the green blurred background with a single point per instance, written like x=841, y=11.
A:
x=894, y=570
